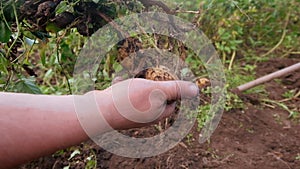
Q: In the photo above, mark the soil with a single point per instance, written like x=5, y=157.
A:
x=262, y=135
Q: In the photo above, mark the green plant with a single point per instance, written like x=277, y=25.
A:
x=203, y=116
x=91, y=161
x=233, y=102
x=289, y=94
x=293, y=114
x=189, y=138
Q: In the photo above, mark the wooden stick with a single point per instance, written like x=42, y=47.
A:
x=269, y=77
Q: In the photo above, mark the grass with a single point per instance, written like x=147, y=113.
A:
x=293, y=114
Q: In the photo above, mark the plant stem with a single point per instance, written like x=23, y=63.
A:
x=61, y=65
x=18, y=31
x=282, y=37
x=232, y=60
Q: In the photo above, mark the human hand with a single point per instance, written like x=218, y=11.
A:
x=139, y=102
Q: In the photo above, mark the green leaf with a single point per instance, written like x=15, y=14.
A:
x=61, y=7
x=66, y=52
x=92, y=162
x=42, y=51
x=41, y=35
x=117, y=67
x=51, y=27
x=4, y=32
x=3, y=63
x=27, y=86
x=8, y=13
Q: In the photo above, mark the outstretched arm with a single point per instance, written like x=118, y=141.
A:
x=32, y=126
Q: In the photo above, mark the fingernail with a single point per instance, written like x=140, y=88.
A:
x=194, y=90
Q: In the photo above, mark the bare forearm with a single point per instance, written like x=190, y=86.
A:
x=36, y=125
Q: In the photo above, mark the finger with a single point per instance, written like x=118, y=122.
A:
x=169, y=110
x=178, y=89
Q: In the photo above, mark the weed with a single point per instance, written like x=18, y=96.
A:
x=189, y=138
x=203, y=116
x=293, y=114
x=233, y=102
x=91, y=161
x=289, y=94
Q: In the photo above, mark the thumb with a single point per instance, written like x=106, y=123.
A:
x=175, y=90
